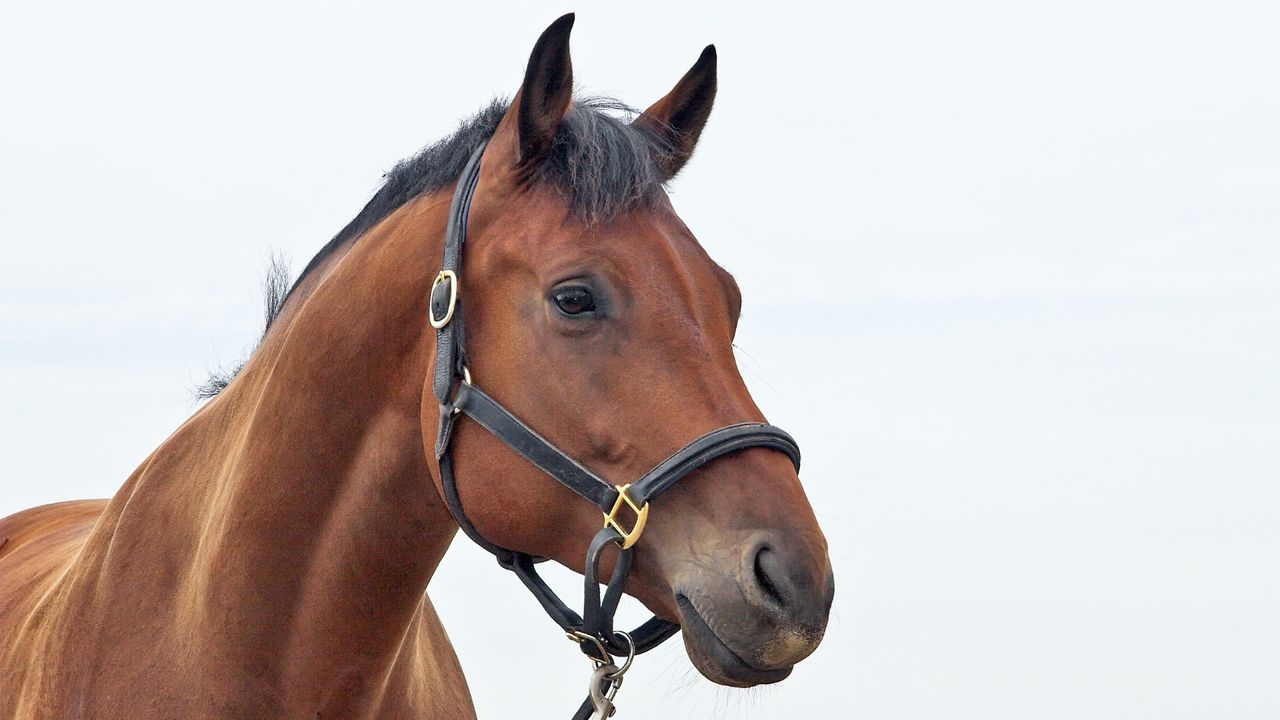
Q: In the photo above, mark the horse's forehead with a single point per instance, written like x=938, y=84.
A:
x=648, y=248
x=643, y=238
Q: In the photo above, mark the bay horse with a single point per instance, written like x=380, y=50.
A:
x=270, y=558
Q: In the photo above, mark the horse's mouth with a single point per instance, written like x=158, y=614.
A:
x=715, y=659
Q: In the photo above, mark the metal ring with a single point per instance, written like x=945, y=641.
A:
x=466, y=380
x=631, y=655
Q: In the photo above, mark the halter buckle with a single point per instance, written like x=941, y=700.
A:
x=444, y=276
x=579, y=638
x=629, y=537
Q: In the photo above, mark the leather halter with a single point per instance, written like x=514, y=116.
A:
x=457, y=395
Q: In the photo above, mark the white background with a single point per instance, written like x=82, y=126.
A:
x=1011, y=276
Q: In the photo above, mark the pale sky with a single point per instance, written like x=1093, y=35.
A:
x=1011, y=276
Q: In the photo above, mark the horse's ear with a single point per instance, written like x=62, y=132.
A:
x=677, y=120
x=544, y=96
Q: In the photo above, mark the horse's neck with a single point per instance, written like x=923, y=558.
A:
x=294, y=516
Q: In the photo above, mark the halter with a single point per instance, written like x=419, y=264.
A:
x=457, y=395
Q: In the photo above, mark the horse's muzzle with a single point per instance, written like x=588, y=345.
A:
x=766, y=611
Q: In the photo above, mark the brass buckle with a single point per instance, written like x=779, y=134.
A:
x=444, y=275
x=578, y=637
x=629, y=537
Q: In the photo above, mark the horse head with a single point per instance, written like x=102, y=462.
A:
x=593, y=314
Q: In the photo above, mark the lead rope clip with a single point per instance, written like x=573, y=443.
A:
x=605, y=681
x=606, y=678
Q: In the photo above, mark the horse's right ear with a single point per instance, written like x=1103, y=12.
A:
x=540, y=105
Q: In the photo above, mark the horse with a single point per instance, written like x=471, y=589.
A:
x=271, y=557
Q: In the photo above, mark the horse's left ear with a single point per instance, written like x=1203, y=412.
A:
x=677, y=119
x=544, y=96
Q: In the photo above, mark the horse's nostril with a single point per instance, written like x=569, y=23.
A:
x=765, y=566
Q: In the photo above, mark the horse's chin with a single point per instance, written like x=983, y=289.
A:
x=715, y=659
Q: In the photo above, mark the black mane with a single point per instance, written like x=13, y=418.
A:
x=599, y=163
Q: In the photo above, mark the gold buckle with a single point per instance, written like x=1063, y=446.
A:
x=444, y=275
x=629, y=537
x=578, y=637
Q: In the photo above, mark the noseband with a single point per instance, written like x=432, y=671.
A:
x=457, y=395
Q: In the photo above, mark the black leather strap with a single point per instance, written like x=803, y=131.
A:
x=597, y=614
x=585, y=710
x=523, y=566
x=532, y=447
x=646, y=636
x=711, y=446
x=449, y=339
x=454, y=503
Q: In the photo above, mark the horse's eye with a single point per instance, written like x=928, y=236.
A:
x=574, y=300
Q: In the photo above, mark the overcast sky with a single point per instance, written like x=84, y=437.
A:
x=1011, y=276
